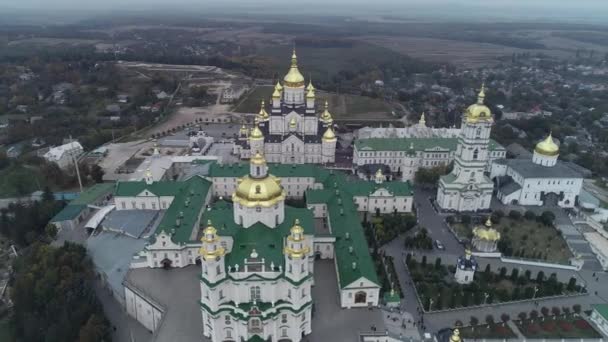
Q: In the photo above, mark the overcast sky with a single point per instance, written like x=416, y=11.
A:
x=526, y=9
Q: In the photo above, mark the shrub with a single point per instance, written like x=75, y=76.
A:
x=522, y=315
x=533, y=328
x=534, y=314
x=582, y=324
x=514, y=214
x=549, y=326
x=530, y=215
x=545, y=311
x=555, y=311
x=565, y=325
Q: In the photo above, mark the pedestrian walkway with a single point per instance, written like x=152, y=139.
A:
x=400, y=324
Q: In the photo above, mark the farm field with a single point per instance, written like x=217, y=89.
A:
x=344, y=107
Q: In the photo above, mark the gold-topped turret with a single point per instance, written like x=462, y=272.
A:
x=422, y=121
x=263, y=115
x=258, y=159
x=329, y=135
x=479, y=111
x=296, y=249
x=256, y=133
x=278, y=86
x=547, y=146
x=326, y=115
x=455, y=336
x=293, y=124
x=211, y=248
x=379, y=177
x=294, y=78
x=489, y=222
x=310, y=91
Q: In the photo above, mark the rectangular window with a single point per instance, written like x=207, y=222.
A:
x=284, y=318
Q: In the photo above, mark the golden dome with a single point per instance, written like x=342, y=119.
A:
x=209, y=233
x=276, y=94
x=489, y=222
x=297, y=232
x=455, y=336
x=256, y=133
x=422, y=120
x=294, y=78
x=243, y=130
x=263, y=115
x=311, y=93
x=326, y=115
x=278, y=87
x=262, y=192
x=310, y=86
x=486, y=233
x=293, y=123
x=329, y=135
x=213, y=251
x=258, y=159
x=547, y=147
x=479, y=111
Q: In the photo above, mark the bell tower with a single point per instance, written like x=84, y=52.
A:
x=212, y=255
x=296, y=253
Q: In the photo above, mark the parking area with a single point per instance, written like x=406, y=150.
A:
x=330, y=322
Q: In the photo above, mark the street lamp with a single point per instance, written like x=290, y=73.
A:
x=535, y=290
x=430, y=304
x=485, y=297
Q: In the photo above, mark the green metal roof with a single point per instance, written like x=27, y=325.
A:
x=183, y=213
x=343, y=217
x=601, y=309
x=160, y=188
x=268, y=242
x=391, y=298
x=91, y=194
x=70, y=212
x=418, y=144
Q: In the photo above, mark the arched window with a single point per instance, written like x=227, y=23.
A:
x=258, y=189
x=255, y=293
x=475, y=154
x=478, y=133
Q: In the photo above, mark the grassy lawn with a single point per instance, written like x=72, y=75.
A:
x=527, y=239
x=342, y=107
x=494, y=331
x=557, y=327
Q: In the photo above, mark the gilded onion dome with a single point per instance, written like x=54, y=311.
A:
x=422, y=120
x=277, y=91
x=455, y=336
x=243, y=130
x=329, y=135
x=294, y=78
x=547, y=147
x=256, y=133
x=263, y=115
x=258, y=159
x=258, y=192
x=310, y=91
x=486, y=233
x=211, y=249
x=293, y=123
x=379, y=176
x=296, y=249
x=326, y=115
x=479, y=111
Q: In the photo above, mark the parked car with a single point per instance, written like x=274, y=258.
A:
x=439, y=245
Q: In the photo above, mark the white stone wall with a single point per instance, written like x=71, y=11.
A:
x=144, y=201
x=464, y=276
x=146, y=312
x=348, y=297
x=385, y=203
x=600, y=322
x=270, y=216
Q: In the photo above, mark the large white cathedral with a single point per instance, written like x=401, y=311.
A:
x=292, y=133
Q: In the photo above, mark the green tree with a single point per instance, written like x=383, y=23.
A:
x=547, y=218
x=54, y=298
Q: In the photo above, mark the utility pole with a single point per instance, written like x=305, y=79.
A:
x=77, y=170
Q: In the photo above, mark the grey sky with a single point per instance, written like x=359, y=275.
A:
x=579, y=10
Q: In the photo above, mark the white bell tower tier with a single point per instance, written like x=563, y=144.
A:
x=467, y=188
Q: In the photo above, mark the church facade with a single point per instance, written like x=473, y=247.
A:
x=290, y=131
x=543, y=180
x=467, y=188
